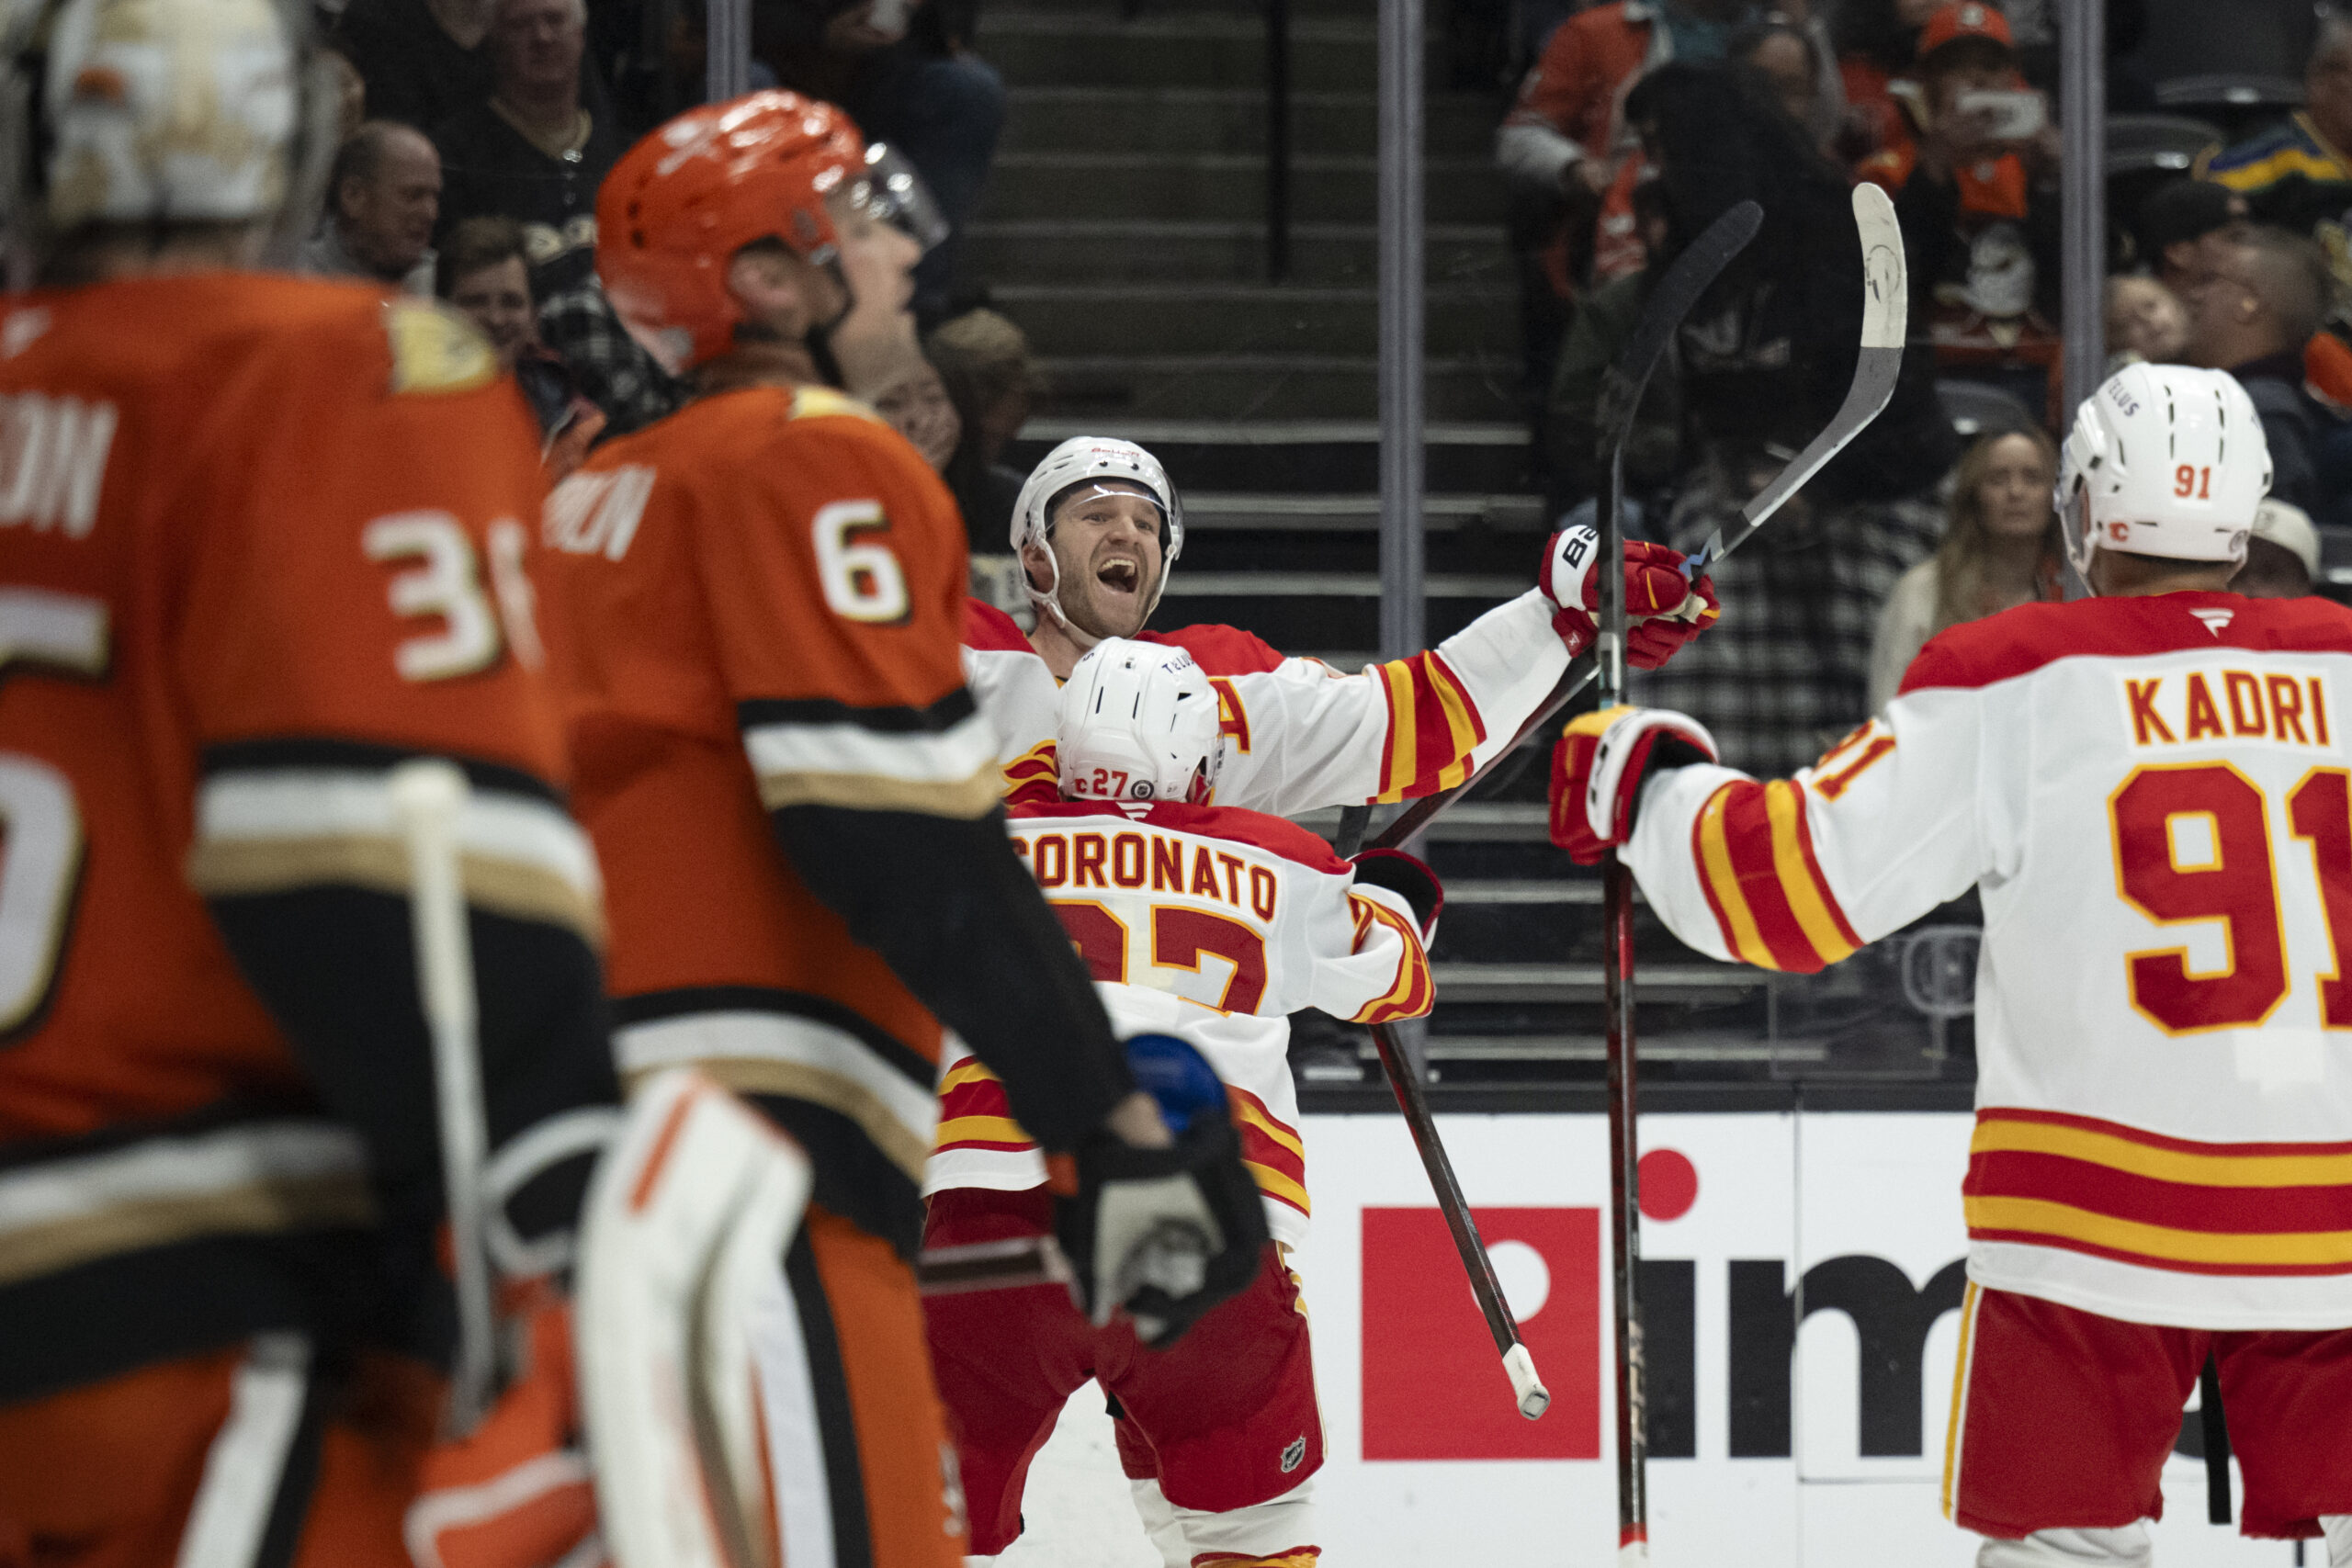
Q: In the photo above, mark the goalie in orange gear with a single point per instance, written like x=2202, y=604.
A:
x=270, y=538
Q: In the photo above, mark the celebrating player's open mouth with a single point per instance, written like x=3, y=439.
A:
x=1119, y=573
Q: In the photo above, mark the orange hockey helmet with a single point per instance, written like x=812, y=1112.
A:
x=680, y=203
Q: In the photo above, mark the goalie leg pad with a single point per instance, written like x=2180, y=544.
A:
x=686, y=1220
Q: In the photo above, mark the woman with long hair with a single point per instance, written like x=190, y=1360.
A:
x=2000, y=550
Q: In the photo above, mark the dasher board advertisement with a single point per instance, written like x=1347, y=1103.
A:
x=1802, y=1279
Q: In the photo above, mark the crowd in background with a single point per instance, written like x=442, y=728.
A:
x=476, y=133
x=1638, y=122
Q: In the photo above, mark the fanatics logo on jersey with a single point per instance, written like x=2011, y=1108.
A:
x=2215, y=619
x=1432, y=1387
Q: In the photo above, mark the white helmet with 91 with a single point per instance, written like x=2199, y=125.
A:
x=1138, y=723
x=2163, y=460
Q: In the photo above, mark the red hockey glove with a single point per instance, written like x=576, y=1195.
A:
x=1598, y=767
x=516, y=1493
x=1662, y=611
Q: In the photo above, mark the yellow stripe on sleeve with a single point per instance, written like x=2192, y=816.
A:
x=967, y=1071
x=980, y=1130
x=1404, y=734
x=1723, y=880
x=1244, y=1110
x=1782, y=802
x=1461, y=721
x=1274, y=1184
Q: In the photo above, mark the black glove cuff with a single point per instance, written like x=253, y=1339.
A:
x=1407, y=878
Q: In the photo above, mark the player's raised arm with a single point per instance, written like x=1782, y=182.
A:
x=1789, y=873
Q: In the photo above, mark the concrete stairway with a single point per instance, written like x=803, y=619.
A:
x=1124, y=228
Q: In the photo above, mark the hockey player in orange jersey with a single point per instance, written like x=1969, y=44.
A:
x=2148, y=788
x=1212, y=924
x=261, y=540
x=795, y=805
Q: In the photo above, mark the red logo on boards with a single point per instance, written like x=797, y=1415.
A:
x=1433, y=1387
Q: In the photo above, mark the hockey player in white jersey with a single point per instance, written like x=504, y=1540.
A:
x=2150, y=789
x=1098, y=526
x=1211, y=924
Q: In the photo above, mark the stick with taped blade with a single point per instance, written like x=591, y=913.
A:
x=1885, y=313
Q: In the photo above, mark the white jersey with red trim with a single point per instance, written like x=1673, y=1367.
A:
x=1299, y=734
x=2152, y=795
x=1211, y=924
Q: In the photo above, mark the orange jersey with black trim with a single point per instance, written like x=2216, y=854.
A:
x=1215, y=925
x=765, y=589
x=2151, y=794
x=260, y=538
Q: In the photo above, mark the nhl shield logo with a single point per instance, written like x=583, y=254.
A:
x=1295, y=1454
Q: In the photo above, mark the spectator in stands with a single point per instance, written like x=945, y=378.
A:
x=1979, y=211
x=483, y=272
x=2183, y=225
x=2145, y=321
x=1788, y=63
x=984, y=361
x=905, y=71
x=350, y=91
x=2298, y=174
x=383, y=194
x=529, y=150
x=1572, y=160
x=423, y=59
x=2282, y=558
x=1756, y=353
x=1788, y=669
x=2252, y=316
x=1603, y=319
x=2000, y=550
x=1878, y=43
x=619, y=376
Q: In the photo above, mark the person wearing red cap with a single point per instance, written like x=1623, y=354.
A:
x=1979, y=210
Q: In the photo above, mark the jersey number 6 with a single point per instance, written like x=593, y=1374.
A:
x=2222, y=870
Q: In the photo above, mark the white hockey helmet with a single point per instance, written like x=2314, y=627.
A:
x=2163, y=460
x=1139, y=722
x=163, y=111
x=1111, y=462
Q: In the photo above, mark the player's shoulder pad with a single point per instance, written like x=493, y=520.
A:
x=435, y=349
x=988, y=629
x=1220, y=650
x=1254, y=829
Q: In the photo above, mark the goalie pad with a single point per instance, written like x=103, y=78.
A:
x=691, y=1210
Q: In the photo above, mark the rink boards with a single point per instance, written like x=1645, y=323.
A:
x=1774, y=1449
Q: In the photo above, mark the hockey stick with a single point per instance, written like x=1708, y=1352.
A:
x=1885, y=312
x=1699, y=266
x=1413, y=1099
x=428, y=796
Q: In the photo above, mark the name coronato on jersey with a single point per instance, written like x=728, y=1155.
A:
x=1215, y=925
